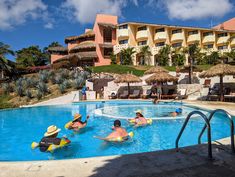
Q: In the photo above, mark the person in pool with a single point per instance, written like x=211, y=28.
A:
x=177, y=112
x=118, y=131
x=77, y=122
x=50, y=138
x=139, y=119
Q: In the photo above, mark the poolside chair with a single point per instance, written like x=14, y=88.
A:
x=147, y=95
x=170, y=95
x=182, y=94
x=124, y=94
x=136, y=94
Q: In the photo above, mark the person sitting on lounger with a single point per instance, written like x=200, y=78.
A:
x=139, y=119
x=177, y=112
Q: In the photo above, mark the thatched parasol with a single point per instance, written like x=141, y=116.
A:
x=88, y=34
x=58, y=49
x=185, y=69
x=219, y=70
x=161, y=77
x=127, y=78
x=156, y=69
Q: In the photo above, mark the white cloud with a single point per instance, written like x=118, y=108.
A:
x=195, y=9
x=17, y=12
x=84, y=11
x=49, y=25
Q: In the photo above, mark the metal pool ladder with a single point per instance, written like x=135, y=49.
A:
x=208, y=126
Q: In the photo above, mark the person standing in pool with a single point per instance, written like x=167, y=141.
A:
x=159, y=91
x=177, y=112
x=50, y=138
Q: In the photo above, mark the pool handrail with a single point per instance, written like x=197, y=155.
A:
x=231, y=127
x=207, y=123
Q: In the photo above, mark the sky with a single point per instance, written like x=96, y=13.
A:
x=40, y=22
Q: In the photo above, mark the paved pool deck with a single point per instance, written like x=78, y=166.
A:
x=188, y=162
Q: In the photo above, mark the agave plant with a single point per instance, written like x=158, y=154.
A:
x=42, y=87
x=7, y=88
x=59, y=79
x=19, y=90
x=64, y=73
x=66, y=84
x=28, y=94
x=19, y=82
x=39, y=95
x=78, y=82
x=72, y=74
x=62, y=88
x=44, y=76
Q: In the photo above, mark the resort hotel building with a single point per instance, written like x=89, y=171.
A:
x=107, y=36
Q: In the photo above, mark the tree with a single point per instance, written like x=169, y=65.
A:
x=126, y=56
x=230, y=55
x=145, y=53
x=5, y=64
x=31, y=56
x=163, y=55
x=211, y=59
x=113, y=58
x=178, y=56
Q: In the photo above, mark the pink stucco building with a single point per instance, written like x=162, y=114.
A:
x=93, y=48
x=227, y=25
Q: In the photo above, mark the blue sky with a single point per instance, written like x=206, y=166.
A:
x=39, y=22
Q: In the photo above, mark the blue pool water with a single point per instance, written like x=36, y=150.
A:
x=20, y=127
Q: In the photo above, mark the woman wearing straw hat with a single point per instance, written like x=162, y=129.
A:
x=139, y=119
x=77, y=123
x=50, y=138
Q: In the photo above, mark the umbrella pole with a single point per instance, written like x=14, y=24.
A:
x=221, y=88
x=128, y=86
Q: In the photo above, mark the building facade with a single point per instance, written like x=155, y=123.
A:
x=156, y=36
x=93, y=48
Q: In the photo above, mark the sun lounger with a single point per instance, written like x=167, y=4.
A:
x=182, y=94
x=124, y=94
x=170, y=94
x=136, y=94
x=147, y=95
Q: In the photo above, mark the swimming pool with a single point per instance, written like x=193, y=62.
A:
x=20, y=127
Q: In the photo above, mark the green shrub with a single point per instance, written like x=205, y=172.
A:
x=62, y=88
x=28, y=94
x=44, y=76
x=19, y=90
x=39, y=95
x=7, y=88
x=78, y=82
x=66, y=84
x=59, y=79
x=64, y=73
x=42, y=87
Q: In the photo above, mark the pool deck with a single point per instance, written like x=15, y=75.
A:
x=188, y=162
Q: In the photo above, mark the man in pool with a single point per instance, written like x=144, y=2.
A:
x=77, y=123
x=177, y=112
x=139, y=119
x=118, y=132
x=50, y=138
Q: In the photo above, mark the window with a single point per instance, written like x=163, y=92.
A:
x=123, y=41
x=207, y=34
x=176, y=31
x=222, y=34
x=177, y=45
x=193, y=32
x=142, y=43
x=123, y=27
x=142, y=28
x=160, y=44
x=159, y=30
x=107, y=52
x=209, y=46
x=107, y=35
x=222, y=47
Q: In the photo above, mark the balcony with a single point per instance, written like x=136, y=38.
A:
x=117, y=48
x=223, y=50
x=122, y=33
x=193, y=38
x=177, y=37
x=208, y=39
x=223, y=40
x=160, y=36
x=143, y=34
x=233, y=41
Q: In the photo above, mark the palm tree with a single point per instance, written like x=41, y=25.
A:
x=178, y=56
x=145, y=53
x=5, y=65
x=230, y=55
x=212, y=58
x=163, y=55
x=126, y=56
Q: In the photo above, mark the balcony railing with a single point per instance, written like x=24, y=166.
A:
x=177, y=37
x=208, y=39
x=119, y=47
x=160, y=36
x=222, y=40
x=143, y=34
x=122, y=33
x=193, y=38
x=155, y=50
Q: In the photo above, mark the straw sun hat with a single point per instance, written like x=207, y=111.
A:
x=138, y=111
x=51, y=130
x=77, y=116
